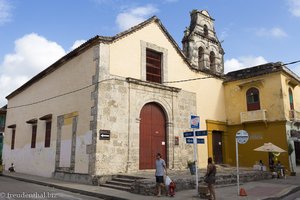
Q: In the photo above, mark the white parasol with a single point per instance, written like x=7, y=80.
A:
x=269, y=147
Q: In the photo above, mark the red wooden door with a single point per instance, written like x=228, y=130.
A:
x=152, y=135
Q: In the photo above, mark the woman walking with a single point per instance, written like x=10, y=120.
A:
x=210, y=178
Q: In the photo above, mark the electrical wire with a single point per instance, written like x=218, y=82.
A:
x=67, y=93
x=60, y=95
x=186, y=80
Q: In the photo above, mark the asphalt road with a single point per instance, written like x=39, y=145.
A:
x=13, y=189
x=294, y=196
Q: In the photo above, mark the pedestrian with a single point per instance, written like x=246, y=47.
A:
x=12, y=168
x=210, y=178
x=159, y=173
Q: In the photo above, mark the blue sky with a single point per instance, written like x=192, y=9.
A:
x=35, y=33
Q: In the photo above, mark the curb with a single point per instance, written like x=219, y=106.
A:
x=296, y=189
x=93, y=194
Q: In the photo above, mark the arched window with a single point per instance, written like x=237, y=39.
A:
x=291, y=99
x=200, y=57
x=205, y=30
x=212, y=60
x=253, y=102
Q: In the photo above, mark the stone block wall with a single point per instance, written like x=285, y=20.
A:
x=120, y=102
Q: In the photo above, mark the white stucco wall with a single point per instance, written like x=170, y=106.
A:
x=73, y=75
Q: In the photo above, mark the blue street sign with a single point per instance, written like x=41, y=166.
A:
x=191, y=140
x=198, y=133
x=201, y=133
x=200, y=140
x=188, y=134
x=195, y=122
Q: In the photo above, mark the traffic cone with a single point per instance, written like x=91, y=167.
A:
x=243, y=192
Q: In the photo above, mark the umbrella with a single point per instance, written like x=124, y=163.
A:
x=269, y=147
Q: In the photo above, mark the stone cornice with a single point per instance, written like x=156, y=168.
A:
x=152, y=85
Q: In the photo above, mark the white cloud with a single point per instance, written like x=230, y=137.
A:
x=32, y=54
x=76, y=44
x=243, y=62
x=134, y=16
x=5, y=11
x=274, y=32
x=294, y=7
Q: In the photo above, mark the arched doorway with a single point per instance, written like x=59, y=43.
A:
x=152, y=135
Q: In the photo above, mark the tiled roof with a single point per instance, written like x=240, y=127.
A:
x=258, y=71
x=103, y=39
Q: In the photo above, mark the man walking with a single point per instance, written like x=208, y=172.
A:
x=159, y=173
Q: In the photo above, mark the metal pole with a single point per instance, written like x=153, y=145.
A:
x=237, y=166
x=195, y=159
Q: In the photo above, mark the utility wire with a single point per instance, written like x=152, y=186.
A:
x=67, y=93
x=291, y=63
x=207, y=77
x=60, y=95
x=186, y=80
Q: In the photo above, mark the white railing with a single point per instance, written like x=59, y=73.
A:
x=253, y=116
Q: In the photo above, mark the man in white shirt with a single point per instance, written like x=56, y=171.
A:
x=159, y=173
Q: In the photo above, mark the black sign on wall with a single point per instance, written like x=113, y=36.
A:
x=104, y=135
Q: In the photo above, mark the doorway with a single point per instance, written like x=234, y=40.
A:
x=297, y=151
x=217, y=147
x=152, y=135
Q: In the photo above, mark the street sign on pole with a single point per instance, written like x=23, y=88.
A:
x=195, y=158
x=241, y=137
x=191, y=140
x=198, y=133
x=188, y=134
x=195, y=122
x=201, y=133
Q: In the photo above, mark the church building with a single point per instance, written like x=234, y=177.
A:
x=113, y=103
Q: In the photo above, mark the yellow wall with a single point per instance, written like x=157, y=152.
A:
x=270, y=93
x=259, y=133
x=288, y=82
x=274, y=98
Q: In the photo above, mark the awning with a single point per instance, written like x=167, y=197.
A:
x=46, y=117
x=12, y=126
x=32, y=121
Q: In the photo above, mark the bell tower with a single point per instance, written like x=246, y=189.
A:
x=201, y=45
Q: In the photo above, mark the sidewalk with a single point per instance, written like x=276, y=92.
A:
x=266, y=189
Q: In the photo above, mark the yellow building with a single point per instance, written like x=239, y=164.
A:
x=263, y=101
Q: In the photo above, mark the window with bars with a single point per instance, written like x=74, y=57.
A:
x=153, y=66
x=33, y=137
x=48, y=133
x=253, y=102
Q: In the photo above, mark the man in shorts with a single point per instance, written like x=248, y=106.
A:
x=159, y=173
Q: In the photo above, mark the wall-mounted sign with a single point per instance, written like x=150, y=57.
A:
x=195, y=122
x=104, y=135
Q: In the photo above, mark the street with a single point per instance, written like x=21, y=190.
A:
x=294, y=196
x=14, y=189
